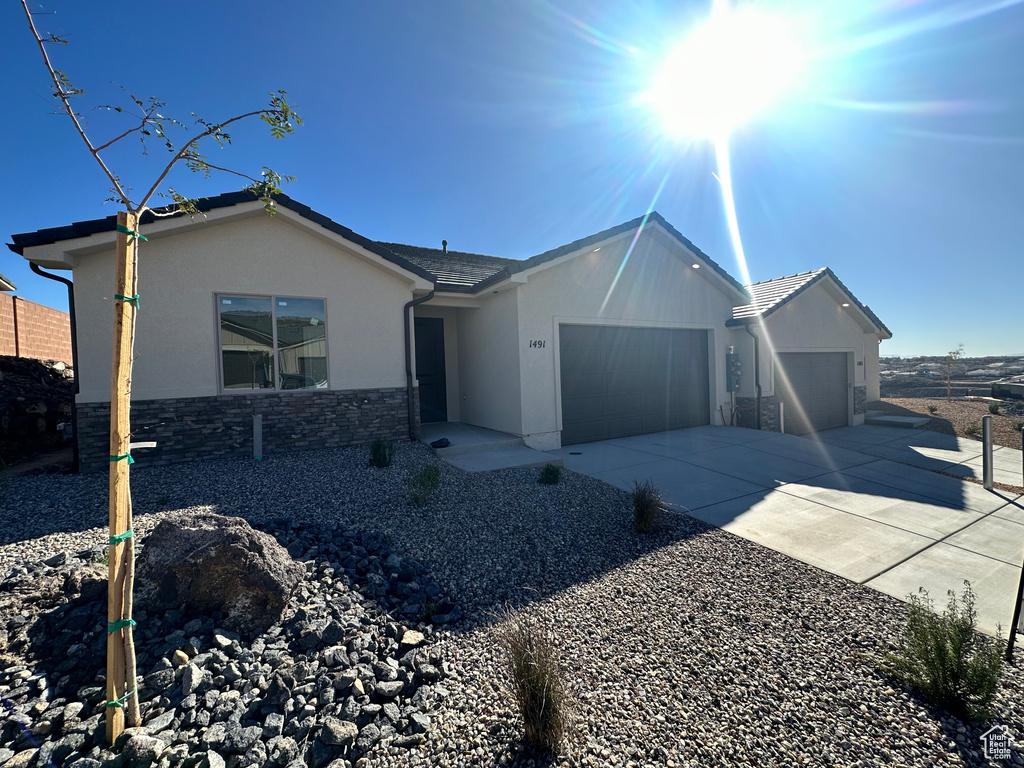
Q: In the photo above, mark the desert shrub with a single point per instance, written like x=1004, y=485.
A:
x=550, y=475
x=973, y=429
x=945, y=658
x=535, y=680
x=424, y=483
x=381, y=453
x=932, y=408
x=646, y=504
x=993, y=408
x=1017, y=425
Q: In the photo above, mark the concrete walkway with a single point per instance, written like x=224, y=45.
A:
x=841, y=502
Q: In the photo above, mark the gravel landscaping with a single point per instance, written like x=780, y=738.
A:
x=687, y=646
x=955, y=416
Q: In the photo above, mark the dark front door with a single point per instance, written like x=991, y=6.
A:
x=430, y=369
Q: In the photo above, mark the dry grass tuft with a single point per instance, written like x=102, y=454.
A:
x=646, y=505
x=535, y=679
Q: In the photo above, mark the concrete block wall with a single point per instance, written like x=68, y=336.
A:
x=31, y=330
x=195, y=428
x=8, y=337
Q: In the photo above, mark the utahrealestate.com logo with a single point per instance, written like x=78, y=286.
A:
x=998, y=743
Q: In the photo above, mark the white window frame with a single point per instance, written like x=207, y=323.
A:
x=273, y=321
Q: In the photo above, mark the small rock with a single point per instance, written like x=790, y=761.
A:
x=390, y=690
x=22, y=760
x=142, y=751
x=179, y=658
x=367, y=737
x=338, y=733
x=410, y=639
x=160, y=723
x=419, y=723
x=273, y=725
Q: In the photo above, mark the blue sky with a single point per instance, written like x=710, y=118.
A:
x=897, y=159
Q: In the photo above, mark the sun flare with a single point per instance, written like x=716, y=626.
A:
x=723, y=73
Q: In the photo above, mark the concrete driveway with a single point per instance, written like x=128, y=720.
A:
x=860, y=502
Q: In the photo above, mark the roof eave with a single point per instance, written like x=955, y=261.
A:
x=100, y=232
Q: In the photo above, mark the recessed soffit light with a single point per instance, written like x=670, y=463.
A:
x=846, y=304
x=695, y=266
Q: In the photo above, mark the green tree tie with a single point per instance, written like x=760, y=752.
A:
x=131, y=233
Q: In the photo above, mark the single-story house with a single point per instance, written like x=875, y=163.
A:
x=335, y=339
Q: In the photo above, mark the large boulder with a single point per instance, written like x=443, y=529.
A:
x=211, y=563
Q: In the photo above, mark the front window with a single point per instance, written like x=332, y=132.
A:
x=273, y=342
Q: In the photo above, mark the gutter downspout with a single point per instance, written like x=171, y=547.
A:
x=408, y=358
x=757, y=370
x=74, y=356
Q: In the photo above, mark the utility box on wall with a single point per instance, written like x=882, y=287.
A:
x=732, y=372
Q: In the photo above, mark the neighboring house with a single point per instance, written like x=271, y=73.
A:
x=336, y=339
x=823, y=360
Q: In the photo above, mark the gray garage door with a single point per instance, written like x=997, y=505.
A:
x=628, y=381
x=814, y=390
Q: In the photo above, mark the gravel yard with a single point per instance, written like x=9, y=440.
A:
x=952, y=418
x=686, y=647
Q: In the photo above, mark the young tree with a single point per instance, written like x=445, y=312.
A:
x=955, y=354
x=148, y=121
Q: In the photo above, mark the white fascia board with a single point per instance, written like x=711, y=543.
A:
x=63, y=255
x=52, y=256
x=706, y=271
x=519, y=278
x=457, y=300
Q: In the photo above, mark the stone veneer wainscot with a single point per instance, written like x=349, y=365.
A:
x=769, y=413
x=187, y=429
x=860, y=398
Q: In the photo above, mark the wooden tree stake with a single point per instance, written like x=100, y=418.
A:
x=120, y=650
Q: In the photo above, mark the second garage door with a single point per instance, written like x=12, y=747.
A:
x=620, y=381
x=813, y=387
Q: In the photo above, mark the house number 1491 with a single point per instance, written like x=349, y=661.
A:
x=538, y=343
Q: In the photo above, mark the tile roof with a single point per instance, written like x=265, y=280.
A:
x=455, y=270
x=452, y=271
x=654, y=216
x=770, y=295
x=98, y=226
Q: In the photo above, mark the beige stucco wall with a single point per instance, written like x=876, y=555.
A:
x=813, y=321
x=871, y=368
x=451, y=354
x=176, y=346
x=489, y=376
x=657, y=287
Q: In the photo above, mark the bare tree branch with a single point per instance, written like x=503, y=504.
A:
x=145, y=121
x=192, y=144
x=63, y=96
